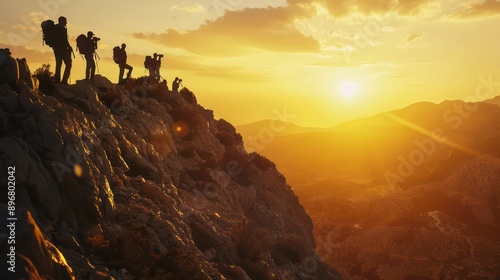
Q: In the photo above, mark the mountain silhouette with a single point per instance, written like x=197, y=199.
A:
x=138, y=182
x=407, y=194
x=274, y=127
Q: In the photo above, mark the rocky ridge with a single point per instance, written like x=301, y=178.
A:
x=138, y=182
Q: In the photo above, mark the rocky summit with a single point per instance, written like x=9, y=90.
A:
x=138, y=182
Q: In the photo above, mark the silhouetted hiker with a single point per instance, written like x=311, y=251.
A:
x=87, y=46
x=150, y=65
x=120, y=57
x=62, y=51
x=153, y=65
x=176, y=84
x=157, y=64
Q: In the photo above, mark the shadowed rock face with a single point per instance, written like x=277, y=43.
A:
x=136, y=181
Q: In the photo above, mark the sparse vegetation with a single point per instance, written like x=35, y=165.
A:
x=44, y=77
x=261, y=162
x=113, y=99
x=188, y=95
x=188, y=114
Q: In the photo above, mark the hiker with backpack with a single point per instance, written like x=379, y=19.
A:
x=153, y=64
x=150, y=65
x=87, y=45
x=56, y=36
x=120, y=57
x=176, y=84
x=157, y=64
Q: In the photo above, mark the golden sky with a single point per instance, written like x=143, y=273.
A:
x=321, y=61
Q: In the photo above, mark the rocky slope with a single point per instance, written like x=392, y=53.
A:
x=137, y=182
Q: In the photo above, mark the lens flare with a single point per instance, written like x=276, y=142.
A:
x=181, y=129
x=78, y=170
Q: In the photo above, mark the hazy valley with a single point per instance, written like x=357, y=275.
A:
x=408, y=194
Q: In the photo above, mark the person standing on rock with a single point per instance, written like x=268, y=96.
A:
x=176, y=84
x=89, y=55
x=62, y=51
x=122, y=63
x=157, y=64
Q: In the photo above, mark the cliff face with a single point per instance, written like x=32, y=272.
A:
x=138, y=181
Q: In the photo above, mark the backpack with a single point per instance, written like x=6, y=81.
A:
x=49, y=33
x=84, y=44
x=117, y=55
x=148, y=62
x=9, y=68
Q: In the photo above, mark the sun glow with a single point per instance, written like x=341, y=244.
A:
x=348, y=89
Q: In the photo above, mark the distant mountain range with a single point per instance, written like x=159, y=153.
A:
x=278, y=127
x=408, y=194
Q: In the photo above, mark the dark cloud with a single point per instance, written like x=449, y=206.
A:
x=254, y=30
x=242, y=32
x=412, y=38
x=477, y=9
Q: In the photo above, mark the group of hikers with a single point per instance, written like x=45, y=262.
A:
x=56, y=36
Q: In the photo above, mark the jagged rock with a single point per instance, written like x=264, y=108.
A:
x=100, y=273
x=31, y=244
x=9, y=68
x=35, y=186
x=143, y=182
x=102, y=82
x=8, y=99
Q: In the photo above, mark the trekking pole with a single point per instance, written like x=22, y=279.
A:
x=97, y=55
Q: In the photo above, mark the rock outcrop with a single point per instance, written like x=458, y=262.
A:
x=137, y=182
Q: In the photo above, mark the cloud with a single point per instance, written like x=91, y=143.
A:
x=412, y=38
x=189, y=63
x=478, y=8
x=195, y=8
x=233, y=73
x=31, y=22
x=337, y=64
x=344, y=8
x=241, y=32
x=253, y=30
x=32, y=55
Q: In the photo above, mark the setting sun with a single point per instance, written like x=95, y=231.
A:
x=348, y=89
